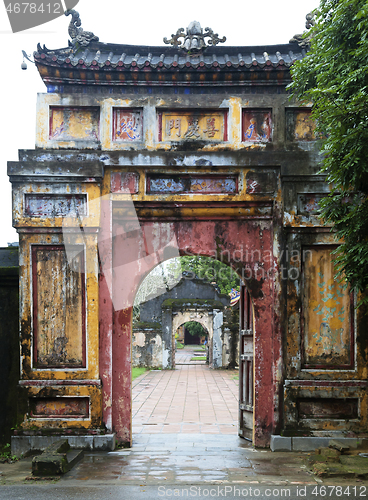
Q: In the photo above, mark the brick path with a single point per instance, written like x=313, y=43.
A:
x=184, y=356
x=189, y=399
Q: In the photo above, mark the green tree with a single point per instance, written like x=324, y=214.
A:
x=211, y=270
x=194, y=328
x=334, y=77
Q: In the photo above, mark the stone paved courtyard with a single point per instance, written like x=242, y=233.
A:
x=189, y=399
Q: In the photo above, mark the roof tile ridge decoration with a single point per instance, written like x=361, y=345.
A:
x=58, y=52
x=80, y=38
x=304, y=39
x=194, y=38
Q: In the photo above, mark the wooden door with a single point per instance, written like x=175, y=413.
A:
x=246, y=377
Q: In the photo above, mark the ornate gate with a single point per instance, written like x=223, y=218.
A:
x=204, y=143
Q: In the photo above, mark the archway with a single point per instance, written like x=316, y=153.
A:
x=173, y=294
x=245, y=243
x=194, y=333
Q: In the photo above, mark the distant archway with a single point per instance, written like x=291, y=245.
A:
x=194, y=333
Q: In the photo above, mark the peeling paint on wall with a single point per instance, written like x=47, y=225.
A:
x=59, y=308
x=67, y=123
x=327, y=314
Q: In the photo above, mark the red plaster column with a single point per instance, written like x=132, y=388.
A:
x=122, y=376
x=106, y=312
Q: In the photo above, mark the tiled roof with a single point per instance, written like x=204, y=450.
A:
x=193, y=62
x=106, y=56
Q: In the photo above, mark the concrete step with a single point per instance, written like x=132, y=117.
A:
x=56, y=459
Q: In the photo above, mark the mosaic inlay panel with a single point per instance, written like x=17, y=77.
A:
x=192, y=184
x=257, y=125
x=261, y=182
x=308, y=203
x=124, y=182
x=127, y=125
x=38, y=205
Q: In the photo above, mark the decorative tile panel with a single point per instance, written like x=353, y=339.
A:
x=181, y=184
x=58, y=307
x=257, y=125
x=127, y=125
x=327, y=313
x=74, y=123
x=61, y=407
x=192, y=125
x=308, y=203
x=39, y=205
x=124, y=182
x=299, y=125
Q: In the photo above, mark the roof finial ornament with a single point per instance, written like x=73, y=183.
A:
x=77, y=34
x=194, y=39
x=302, y=40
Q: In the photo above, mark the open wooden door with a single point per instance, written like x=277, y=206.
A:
x=246, y=382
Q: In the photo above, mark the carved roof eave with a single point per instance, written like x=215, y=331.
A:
x=56, y=75
x=110, y=61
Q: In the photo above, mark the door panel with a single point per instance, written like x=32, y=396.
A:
x=246, y=379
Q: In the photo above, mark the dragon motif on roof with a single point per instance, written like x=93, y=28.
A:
x=194, y=38
x=76, y=33
x=302, y=39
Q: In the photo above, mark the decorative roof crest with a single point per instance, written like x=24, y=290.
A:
x=77, y=34
x=194, y=39
x=301, y=39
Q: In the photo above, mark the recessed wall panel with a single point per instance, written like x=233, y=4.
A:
x=201, y=125
x=74, y=123
x=127, y=125
x=59, y=407
x=327, y=313
x=58, y=307
x=300, y=125
x=257, y=125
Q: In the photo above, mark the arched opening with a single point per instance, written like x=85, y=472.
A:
x=243, y=243
x=191, y=343
x=181, y=302
x=194, y=333
x=193, y=290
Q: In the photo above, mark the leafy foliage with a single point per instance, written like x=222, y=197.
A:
x=194, y=328
x=334, y=77
x=211, y=270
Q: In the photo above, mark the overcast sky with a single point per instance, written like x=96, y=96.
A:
x=144, y=22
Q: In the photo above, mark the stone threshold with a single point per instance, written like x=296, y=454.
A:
x=21, y=445
x=310, y=443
